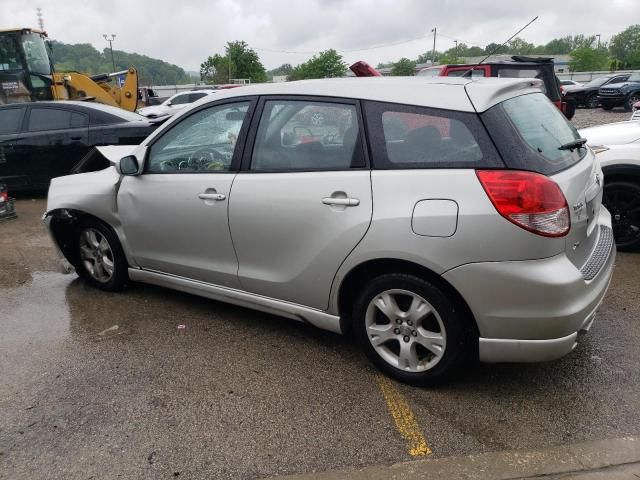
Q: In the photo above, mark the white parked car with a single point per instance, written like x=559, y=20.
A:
x=570, y=83
x=174, y=104
x=617, y=147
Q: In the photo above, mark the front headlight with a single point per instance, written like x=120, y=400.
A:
x=598, y=149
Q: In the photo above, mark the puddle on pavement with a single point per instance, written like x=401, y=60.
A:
x=36, y=310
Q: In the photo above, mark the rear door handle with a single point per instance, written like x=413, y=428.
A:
x=212, y=196
x=346, y=202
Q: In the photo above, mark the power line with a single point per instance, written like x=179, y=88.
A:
x=373, y=47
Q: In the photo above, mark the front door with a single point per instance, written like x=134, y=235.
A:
x=302, y=201
x=175, y=215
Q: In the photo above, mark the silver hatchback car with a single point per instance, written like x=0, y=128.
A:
x=437, y=219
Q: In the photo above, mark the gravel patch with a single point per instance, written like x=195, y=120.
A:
x=590, y=117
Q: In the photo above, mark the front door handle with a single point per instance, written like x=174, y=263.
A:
x=212, y=196
x=345, y=202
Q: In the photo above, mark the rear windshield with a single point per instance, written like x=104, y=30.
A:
x=529, y=131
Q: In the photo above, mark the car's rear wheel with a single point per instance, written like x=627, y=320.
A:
x=410, y=329
x=100, y=259
x=622, y=199
x=591, y=101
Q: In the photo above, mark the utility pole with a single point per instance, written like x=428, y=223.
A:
x=433, y=53
x=456, y=60
x=598, y=35
x=40, y=18
x=110, y=40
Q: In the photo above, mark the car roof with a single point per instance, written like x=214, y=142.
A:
x=436, y=92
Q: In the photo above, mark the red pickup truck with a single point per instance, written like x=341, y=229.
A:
x=518, y=67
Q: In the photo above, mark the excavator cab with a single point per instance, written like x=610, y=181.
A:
x=26, y=71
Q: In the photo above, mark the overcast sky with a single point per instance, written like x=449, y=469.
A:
x=186, y=32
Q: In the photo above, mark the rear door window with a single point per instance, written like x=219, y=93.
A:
x=529, y=131
x=406, y=137
x=49, y=119
x=10, y=120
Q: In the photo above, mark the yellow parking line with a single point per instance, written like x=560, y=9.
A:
x=403, y=417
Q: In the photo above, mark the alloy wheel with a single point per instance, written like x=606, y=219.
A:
x=96, y=255
x=405, y=330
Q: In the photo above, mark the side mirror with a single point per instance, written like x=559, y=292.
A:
x=129, y=165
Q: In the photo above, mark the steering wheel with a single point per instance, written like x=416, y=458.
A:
x=206, y=159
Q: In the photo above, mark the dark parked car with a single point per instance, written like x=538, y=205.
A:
x=587, y=94
x=623, y=94
x=42, y=140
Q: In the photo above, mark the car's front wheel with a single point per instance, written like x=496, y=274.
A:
x=622, y=199
x=631, y=99
x=100, y=259
x=591, y=101
x=410, y=329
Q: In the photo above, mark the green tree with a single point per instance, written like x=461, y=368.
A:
x=239, y=61
x=284, y=69
x=495, y=49
x=625, y=47
x=518, y=46
x=215, y=69
x=403, y=68
x=327, y=64
x=86, y=59
x=585, y=59
x=245, y=62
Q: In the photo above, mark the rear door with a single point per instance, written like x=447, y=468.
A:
x=54, y=141
x=303, y=200
x=14, y=169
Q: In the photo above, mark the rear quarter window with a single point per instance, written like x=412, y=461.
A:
x=408, y=137
x=528, y=131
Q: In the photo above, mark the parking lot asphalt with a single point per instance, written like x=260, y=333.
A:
x=98, y=385
x=152, y=383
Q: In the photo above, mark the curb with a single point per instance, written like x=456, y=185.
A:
x=505, y=465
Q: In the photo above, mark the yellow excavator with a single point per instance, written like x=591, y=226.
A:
x=27, y=75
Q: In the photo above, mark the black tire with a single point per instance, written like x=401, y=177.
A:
x=622, y=199
x=458, y=346
x=631, y=99
x=591, y=101
x=119, y=278
x=606, y=106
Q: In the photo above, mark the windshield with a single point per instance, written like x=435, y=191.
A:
x=429, y=72
x=35, y=52
x=9, y=58
x=530, y=131
x=596, y=82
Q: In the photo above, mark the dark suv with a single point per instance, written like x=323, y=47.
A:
x=623, y=94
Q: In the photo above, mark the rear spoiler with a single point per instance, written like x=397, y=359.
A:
x=363, y=69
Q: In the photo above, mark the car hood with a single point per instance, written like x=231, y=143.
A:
x=617, y=133
x=619, y=85
x=114, y=153
x=153, y=111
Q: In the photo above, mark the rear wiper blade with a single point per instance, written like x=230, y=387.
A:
x=577, y=143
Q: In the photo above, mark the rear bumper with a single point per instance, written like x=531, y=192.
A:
x=531, y=311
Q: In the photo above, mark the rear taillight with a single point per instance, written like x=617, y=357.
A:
x=4, y=196
x=529, y=200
